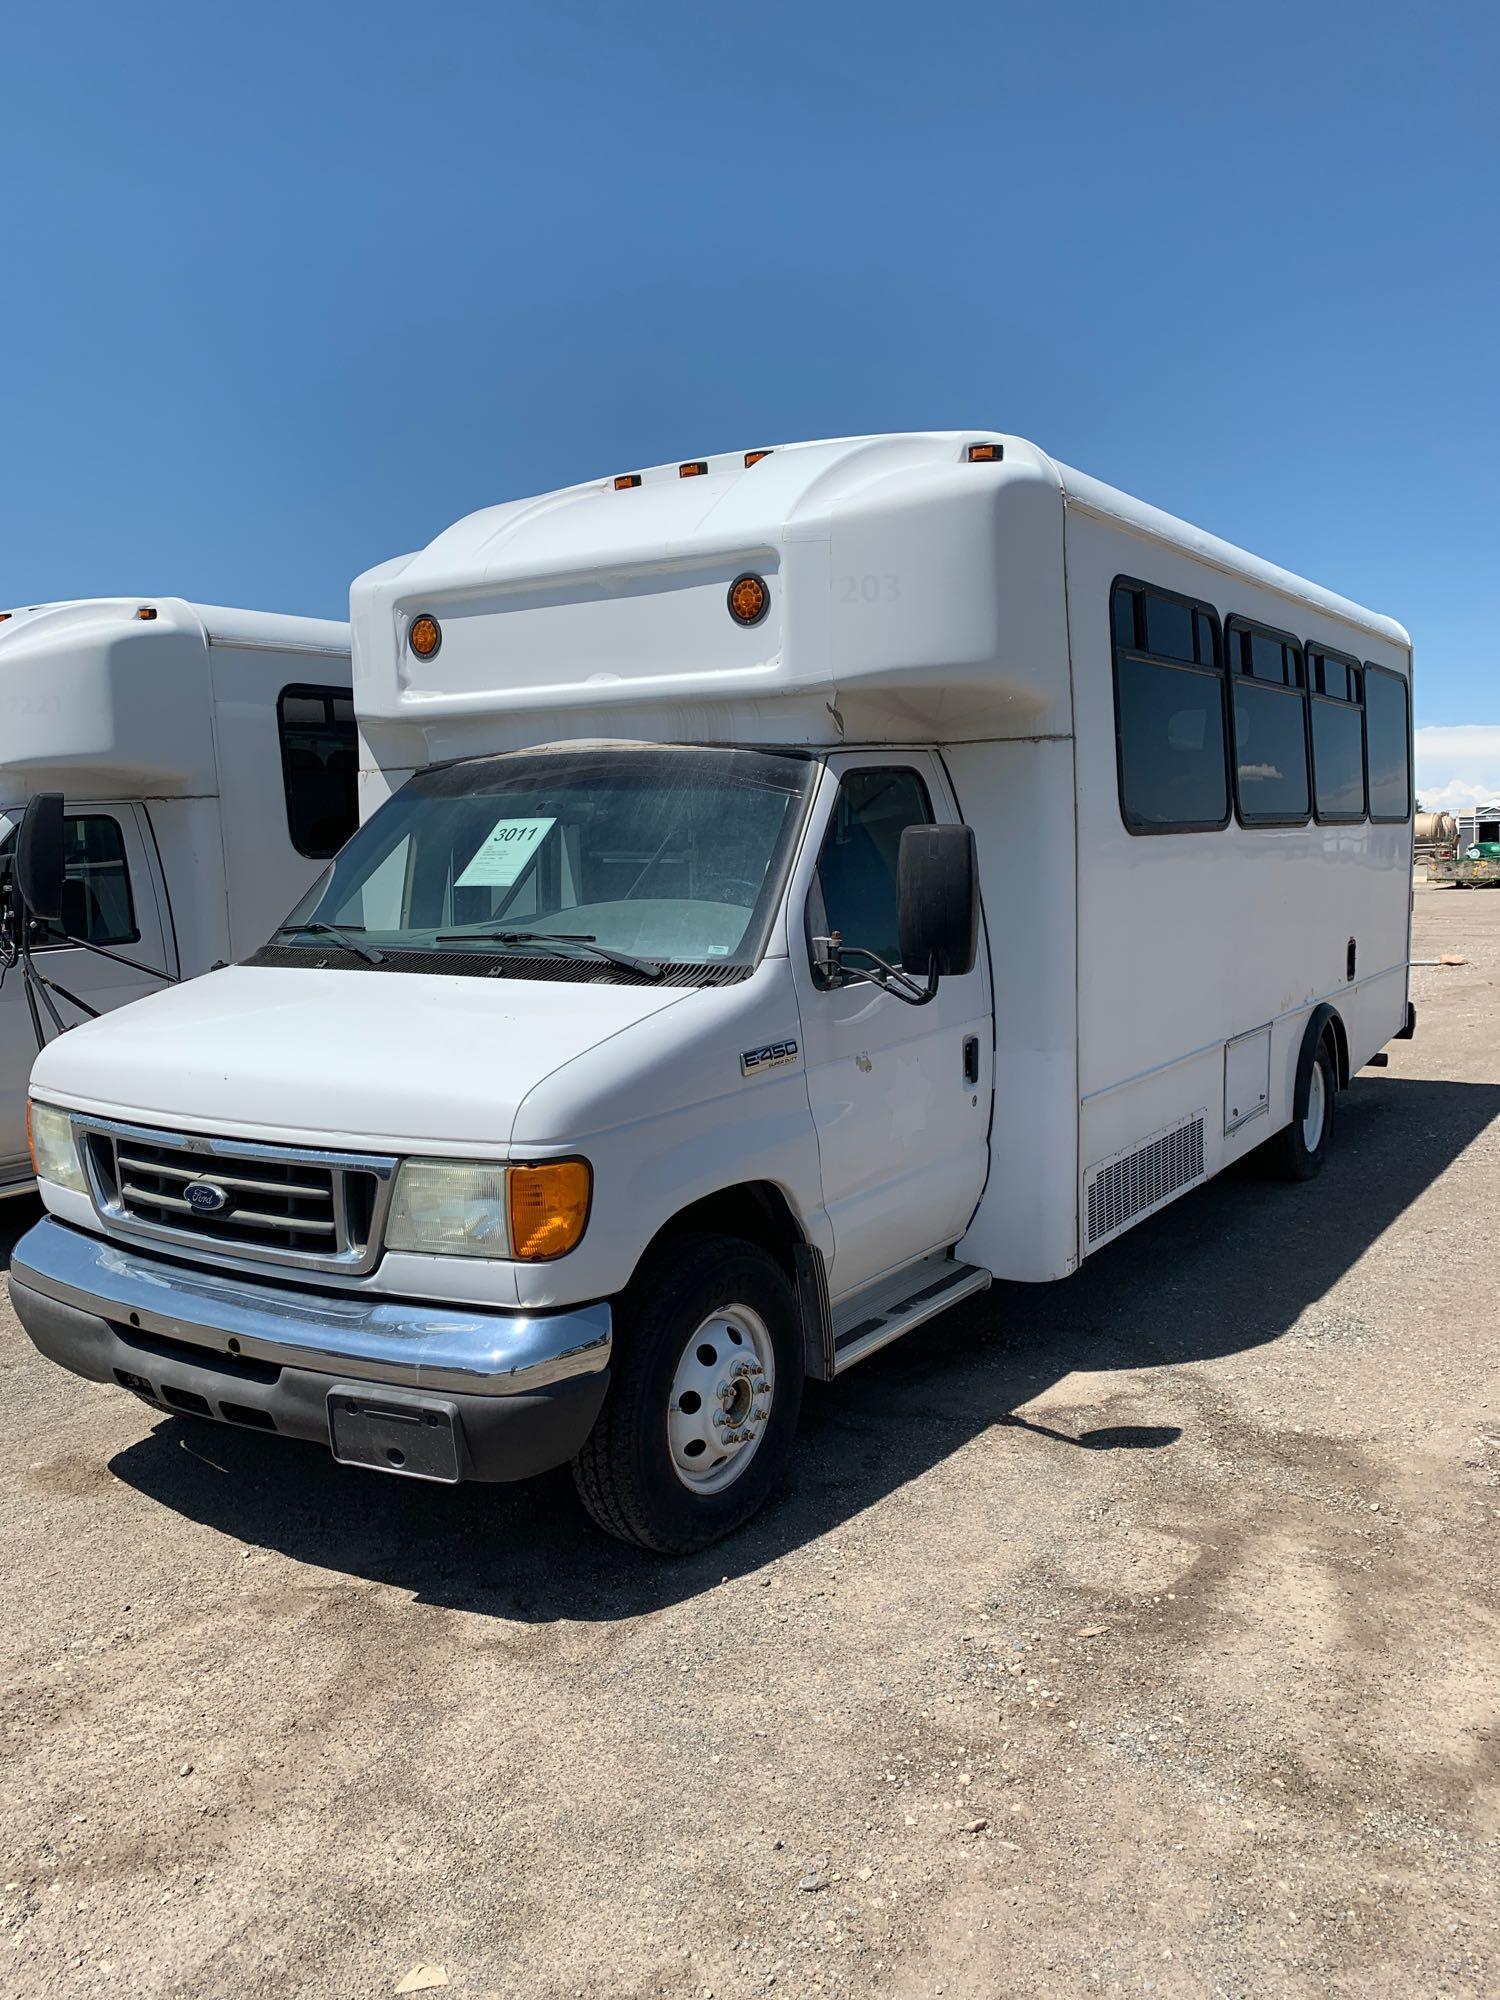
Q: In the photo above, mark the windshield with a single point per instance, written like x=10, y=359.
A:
x=669, y=855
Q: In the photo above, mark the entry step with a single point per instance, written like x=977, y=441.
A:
x=882, y=1312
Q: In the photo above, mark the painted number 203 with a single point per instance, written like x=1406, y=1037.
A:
x=868, y=589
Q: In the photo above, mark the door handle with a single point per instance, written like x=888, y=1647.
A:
x=971, y=1058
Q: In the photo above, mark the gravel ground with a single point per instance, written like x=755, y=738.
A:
x=1134, y=1636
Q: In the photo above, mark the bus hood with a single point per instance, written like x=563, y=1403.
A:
x=395, y=1061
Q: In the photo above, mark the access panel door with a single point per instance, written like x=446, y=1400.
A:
x=900, y=1095
x=110, y=897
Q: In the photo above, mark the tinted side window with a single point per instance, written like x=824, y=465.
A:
x=97, y=903
x=319, y=765
x=1338, y=737
x=1270, y=727
x=1338, y=742
x=857, y=866
x=1169, y=712
x=1387, y=735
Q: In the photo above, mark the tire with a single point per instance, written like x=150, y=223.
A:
x=653, y=1470
x=1292, y=1157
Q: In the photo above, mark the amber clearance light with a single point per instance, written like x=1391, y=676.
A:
x=549, y=1206
x=749, y=599
x=425, y=636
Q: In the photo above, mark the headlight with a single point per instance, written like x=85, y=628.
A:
x=54, y=1150
x=472, y=1208
x=448, y=1208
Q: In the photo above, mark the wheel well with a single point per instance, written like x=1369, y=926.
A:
x=1335, y=1033
x=755, y=1211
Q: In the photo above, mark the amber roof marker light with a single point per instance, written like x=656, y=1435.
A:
x=985, y=454
x=755, y=457
x=692, y=468
x=425, y=636
x=625, y=480
x=749, y=599
x=147, y=612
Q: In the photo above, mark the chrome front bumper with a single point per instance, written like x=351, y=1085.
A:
x=520, y=1391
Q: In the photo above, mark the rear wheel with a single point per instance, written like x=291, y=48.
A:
x=704, y=1394
x=1299, y=1151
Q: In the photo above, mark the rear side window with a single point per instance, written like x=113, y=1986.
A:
x=319, y=767
x=1169, y=711
x=1335, y=694
x=1269, y=713
x=855, y=891
x=96, y=902
x=1387, y=739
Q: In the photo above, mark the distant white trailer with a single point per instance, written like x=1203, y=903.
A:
x=207, y=757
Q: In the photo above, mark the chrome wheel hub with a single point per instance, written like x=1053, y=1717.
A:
x=721, y=1401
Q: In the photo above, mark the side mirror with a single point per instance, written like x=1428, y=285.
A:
x=937, y=899
x=40, y=859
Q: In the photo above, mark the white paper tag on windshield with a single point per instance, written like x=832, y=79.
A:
x=504, y=852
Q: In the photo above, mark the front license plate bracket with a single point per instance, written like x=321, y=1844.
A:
x=414, y=1437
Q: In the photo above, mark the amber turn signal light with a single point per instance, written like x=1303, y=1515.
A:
x=549, y=1206
x=985, y=454
x=425, y=636
x=749, y=599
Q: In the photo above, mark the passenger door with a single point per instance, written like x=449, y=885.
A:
x=900, y=1095
x=110, y=896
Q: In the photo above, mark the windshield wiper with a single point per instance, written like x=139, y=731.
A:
x=365, y=951
x=584, y=940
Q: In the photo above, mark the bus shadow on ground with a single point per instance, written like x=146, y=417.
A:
x=1228, y=1268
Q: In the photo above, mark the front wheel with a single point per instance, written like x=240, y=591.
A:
x=704, y=1394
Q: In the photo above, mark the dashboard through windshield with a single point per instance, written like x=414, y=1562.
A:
x=634, y=858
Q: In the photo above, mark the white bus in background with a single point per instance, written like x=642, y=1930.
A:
x=796, y=887
x=207, y=758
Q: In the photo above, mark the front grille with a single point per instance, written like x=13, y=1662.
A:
x=281, y=1204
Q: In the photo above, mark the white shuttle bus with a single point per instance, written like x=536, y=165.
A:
x=795, y=887
x=207, y=761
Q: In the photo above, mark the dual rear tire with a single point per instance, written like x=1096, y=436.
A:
x=1298, y=1153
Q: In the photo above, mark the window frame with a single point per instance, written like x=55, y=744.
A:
x=1310, y=651
x=815, y=887
x=1388, y=819
x=1235, y=625
x=311, y=691
x=1140, y=588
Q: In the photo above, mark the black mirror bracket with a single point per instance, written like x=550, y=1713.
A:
x=829, y=954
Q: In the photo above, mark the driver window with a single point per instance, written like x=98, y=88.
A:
x=96, y=899
x=854, y=891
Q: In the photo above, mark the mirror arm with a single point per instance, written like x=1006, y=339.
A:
x=119, y=958
x=888, y=978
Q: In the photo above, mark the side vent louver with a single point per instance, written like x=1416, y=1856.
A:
x=1120, y=1191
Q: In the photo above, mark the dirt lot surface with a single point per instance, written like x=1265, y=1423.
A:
x=1135, y=1636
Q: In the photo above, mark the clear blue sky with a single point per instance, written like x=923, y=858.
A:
x=289, y=288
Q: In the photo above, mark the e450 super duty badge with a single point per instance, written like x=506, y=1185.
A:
x=775, y=1055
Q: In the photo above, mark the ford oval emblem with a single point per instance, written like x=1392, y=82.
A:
x=205, y=1197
